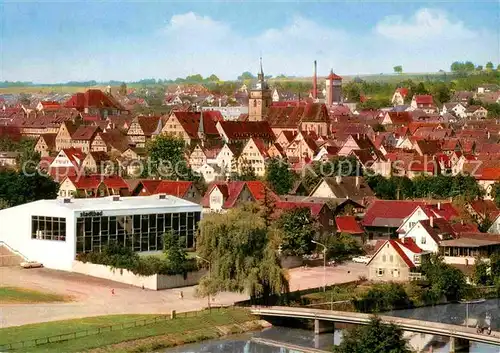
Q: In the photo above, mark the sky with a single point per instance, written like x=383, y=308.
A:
x=60, y=41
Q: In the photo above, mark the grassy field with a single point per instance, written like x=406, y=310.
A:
x=179, y=331
x=14, y=295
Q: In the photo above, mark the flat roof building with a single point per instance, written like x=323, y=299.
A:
x=53, y=232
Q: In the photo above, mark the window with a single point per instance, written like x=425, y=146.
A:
x=384, y=258
x=395, y=273
x=423, y=240
x=416, y=259
x=48, y=228
x=391, y=258
x=380, y=272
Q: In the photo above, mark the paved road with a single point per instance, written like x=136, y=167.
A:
x=92, y=296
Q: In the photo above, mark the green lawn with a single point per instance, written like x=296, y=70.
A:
x=204, y=323
x=12, y=295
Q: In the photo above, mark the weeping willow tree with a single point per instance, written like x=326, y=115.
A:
x=242, y=251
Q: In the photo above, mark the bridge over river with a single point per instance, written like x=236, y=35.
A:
x=459, y=335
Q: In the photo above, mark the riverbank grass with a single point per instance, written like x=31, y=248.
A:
x=16, y=295
x=186, y=328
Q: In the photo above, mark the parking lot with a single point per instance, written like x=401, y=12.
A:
x=93, y=296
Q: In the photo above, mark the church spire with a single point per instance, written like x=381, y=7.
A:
x=261, y=73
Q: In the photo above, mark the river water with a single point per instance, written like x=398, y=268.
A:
x=450, y=313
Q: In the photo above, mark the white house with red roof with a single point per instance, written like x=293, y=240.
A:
x=426, y=212
x=68, y=161
x=254, y=156
x=428, y=234
x=81, y=186
x=221, y=196
x=394, y=260
x=383, y=217
x=424, y=102
x=398, y=98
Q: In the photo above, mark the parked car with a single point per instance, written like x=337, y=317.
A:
x=31, y=264
x=361, y=259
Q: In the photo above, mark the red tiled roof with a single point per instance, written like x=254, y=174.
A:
x=390, y=210
x=238, y=130
x=315, y=207
x=92, y=98
x=400, y=117
x=84, y=132
x=403, y=91
x=333, y=76
x=466, y=227
x=73, y=154
x=232, y=190
x=173, y=187
x=148, y=186
x=348, y=224
x=190, y=122
x=423, y=99
x=148, y=124
x=93, y=181
x=443, y=210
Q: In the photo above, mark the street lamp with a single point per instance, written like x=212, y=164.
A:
x=209, y=275
x=324, y=263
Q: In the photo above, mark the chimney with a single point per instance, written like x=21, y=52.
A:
x=357, y=182
x=220, y=102
x=489, y=135
x=338, y=179
x=439, y=206
x=431, y=221
x=162, y=196
x=116, y=198
x=315, y=81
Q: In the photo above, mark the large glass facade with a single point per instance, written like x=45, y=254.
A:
x=48, y=228
x=140, y=232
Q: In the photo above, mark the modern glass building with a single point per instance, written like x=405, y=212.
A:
x=54, y=231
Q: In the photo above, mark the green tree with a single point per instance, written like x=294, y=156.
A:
x=352, y=91
x=17, y=188
x=373, y=338
x=247, y=75
x=469, y=66
x=446, y=281
x=194, y=78
x=298, y=230
x=174, y=252
x=479, y=68
x=495, y=193
x=341, y=247
x=398, y=69
x=123, y=89
x=246, y=173
x=3, y=204
x=213, y=78
x=166, y=158
x=441, y=92
x=480, y=274
x=242, y=251
x=279, y=176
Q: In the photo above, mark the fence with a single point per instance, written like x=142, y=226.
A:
x=103, y=329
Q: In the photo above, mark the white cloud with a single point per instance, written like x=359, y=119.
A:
x=425, y=24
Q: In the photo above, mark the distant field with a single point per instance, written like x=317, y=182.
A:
x=44, y=89
x=382, y=78
x=14, y=295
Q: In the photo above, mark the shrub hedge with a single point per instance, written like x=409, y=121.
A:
x=120, y=257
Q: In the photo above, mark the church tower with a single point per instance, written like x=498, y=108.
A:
x=260, y=98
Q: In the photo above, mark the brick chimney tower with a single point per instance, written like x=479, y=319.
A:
x=315, y=81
